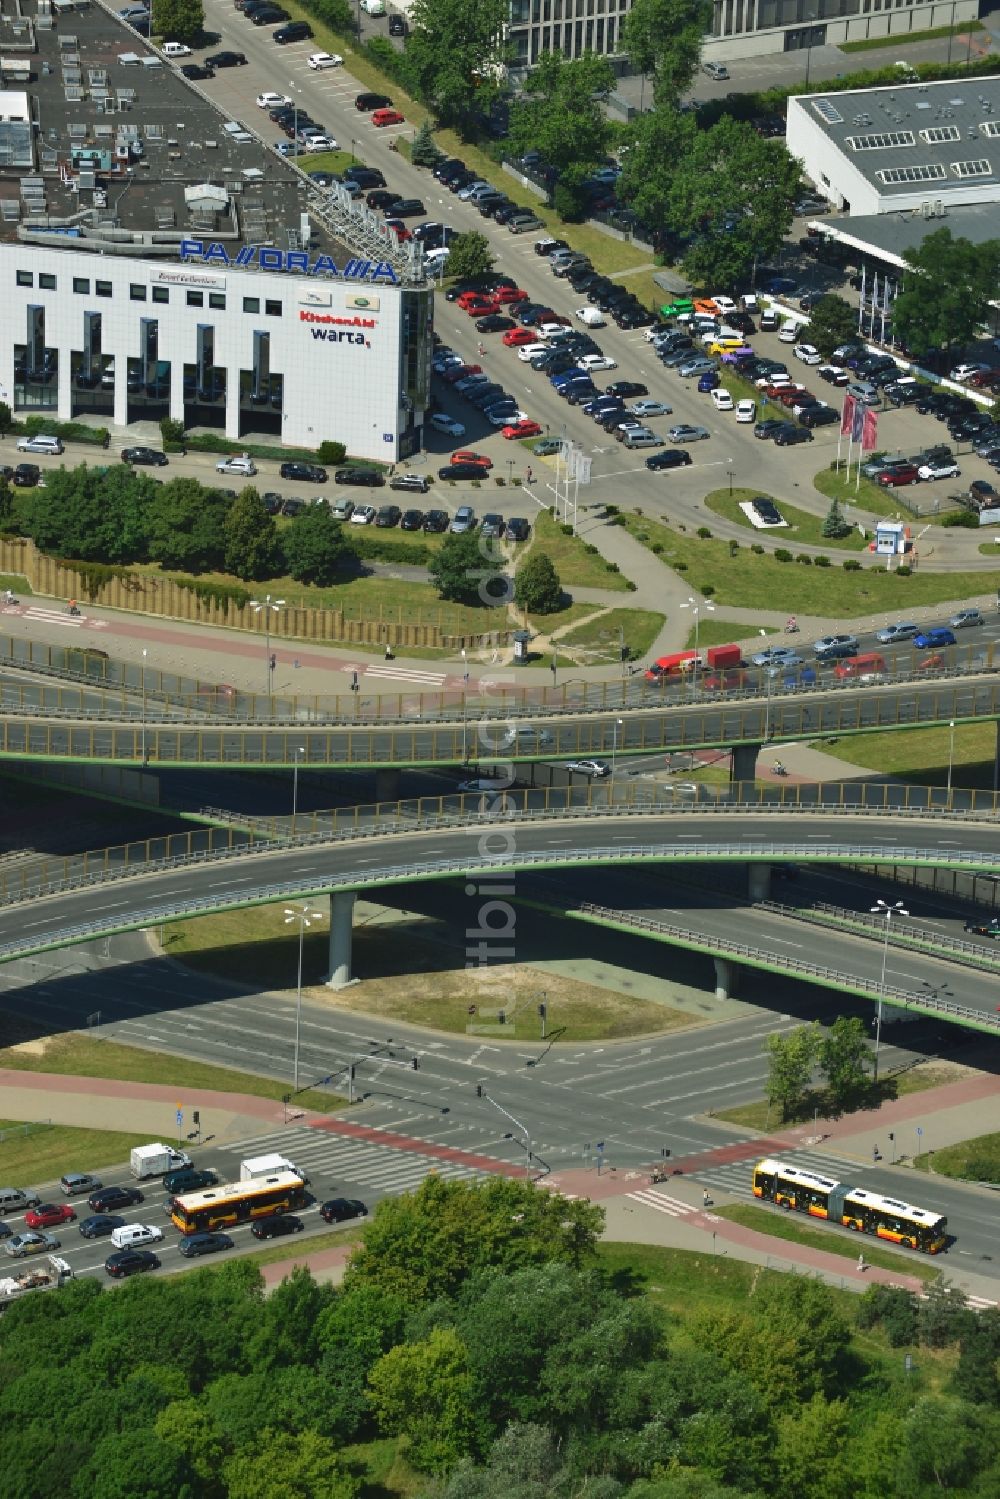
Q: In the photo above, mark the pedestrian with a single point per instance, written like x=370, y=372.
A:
x=861, y=1263
x=388, y=652
x=706, y=1201
x=529, y=473
x=482, y=348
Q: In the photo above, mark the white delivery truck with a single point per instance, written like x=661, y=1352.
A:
x=267, y=1165
x=156, y=1160
x=47, y=1276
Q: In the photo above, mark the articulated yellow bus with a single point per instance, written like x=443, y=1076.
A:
x=855, y=1207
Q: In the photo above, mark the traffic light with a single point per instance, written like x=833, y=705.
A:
x=196, y=1118
x=415, y=1064
x=479, y=1090
x=665, y=1152
x=542, y=1010
x=501, y=1017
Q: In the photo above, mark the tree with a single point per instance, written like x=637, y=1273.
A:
x=423, y=1391
x=455, y=57
x=466, y=571
x=289, y=1465
x=178, y=20
x=791, y=1060
x=6, y=418
x=831, y=323
x=661, y=139
x=469, y=254
x=423, y=152
x=560, y=113
x=946, y=291
x=314, y=546
x=570, y=195
x=844, y=1058
x=812, y=1451
x=537, y=589
x=663, y=39
x=187, y=527
x=86, y=513
x=977, y=1378
x=835, y=526
x=251, y=537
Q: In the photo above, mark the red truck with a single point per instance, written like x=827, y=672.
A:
x=679, y=663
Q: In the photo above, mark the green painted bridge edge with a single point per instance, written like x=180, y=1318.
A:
x=988, y=964
x=670, y=940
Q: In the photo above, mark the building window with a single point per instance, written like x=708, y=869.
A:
x=46, y=282
x=251, y=304
x=103, y=288
x=136, y=292
x=217, y=300
x=161, y=294
x=81, y=286
x=272, y=309
x=196, y=299
x=25, y=278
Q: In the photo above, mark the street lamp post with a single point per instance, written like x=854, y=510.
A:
x=767, y=709
x=729, y=465
x=268, y=606
x=144, y=705
x=619, y=723
x=951, y=752
x=882, y=908
x=696, y=609
x=305, y=917
x=295, y=780
x=481, y=1091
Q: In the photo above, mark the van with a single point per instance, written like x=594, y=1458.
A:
x=133, y=1235
x=638, y=438
x=365, y=102
x=870, y=663
x=373, y=7
x=17, y=1200
x=769, y=321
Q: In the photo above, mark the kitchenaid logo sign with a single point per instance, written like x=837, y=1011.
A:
x=332, y=328
x=263, y=258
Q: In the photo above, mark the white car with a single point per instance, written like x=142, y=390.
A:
x=505, y=418
x=272, y=101
x=363, y=515
x=596, y=362
x=808, y=353
x=594, y=317
x=788, y=333
x=321, y=143
x=550, y=330
x=724, y=304
x=175, y=49
x=722, y=400
x=528, y=352
x=446, y=424
x=750, y=301
x=964, y=372
x=774, y=378
x=242, y=465
x=746, y=411
x=483, y=783
x=938, y=470
x=321, y=60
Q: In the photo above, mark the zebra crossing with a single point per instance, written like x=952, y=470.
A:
x=736, y=1177
x=662, y=1202
x=331, y=1160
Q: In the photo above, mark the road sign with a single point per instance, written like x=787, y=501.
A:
x=180, y=1118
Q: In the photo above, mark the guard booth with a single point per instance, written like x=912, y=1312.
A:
x=522, y=639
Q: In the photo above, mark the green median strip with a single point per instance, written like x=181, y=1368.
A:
x=786, y=1228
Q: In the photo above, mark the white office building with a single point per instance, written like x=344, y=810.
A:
x=753, y=28
x=159, y=261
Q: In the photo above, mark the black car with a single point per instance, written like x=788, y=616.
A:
x=397, y=26
x=412, y=520
x=364, y=176
x=292, y=507
x=100, y=1226
x=448, y=168
x=277, y=1227
x=340, y=1209
x=152, y=456
x=789, y=436
x=819, y=416
x=417, y=483
x=518, y=529
x=461, y=471
x=408, y=208
x=131, y=1262
x=669, y=458
x=769, y=427
x=190, y=1179
x=110, y=1198
x=267, y=15
x=368, y=476
x=226, y=60
x=388, y=516
x=199, y=1244
x=486, y=395
x=310, y=472
x=197, y=72
x=26, y=475
x=435, y=522
x=295, y=31
x=382, y=198
x=365, y=103
x=627, y=388
x=495, y=322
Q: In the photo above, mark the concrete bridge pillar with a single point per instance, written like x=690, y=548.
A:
x=387, y=785
x=744, y=766
x=727, y=975
x=341, y=936
x=759, y=881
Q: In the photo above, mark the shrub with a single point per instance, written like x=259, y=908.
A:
x=171, y=431
x=566, y=530
x=782, y=554
x=617, y=520
x=657, y=548
x=703, y=532
x=630, y=587
x=608, y=509
x=590, y=549
x=612, y=567
x=373, y=548
x=804, y=558
x=757, y=549
x=821, y=562
x=966, y=518
x=903, y=570
x=734, y=547
x=331, y=452
x=852, y=565
x=679, y=567
x=706, y=590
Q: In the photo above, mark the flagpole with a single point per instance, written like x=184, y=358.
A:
x=861, y=306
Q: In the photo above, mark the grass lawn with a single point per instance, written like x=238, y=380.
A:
x=921, y=755
x=15, y=582
x=977, y=1159
x=870, y=496
x=760, y=1116
x=49, y=1151
x=712, y=631
x=803, y=527
x=85, y=1056
x=326, y=161
x=753, y=582
x=791, y=1230
x=898, y=40
x=578, y=563
x=601, y=638
x=989, y=548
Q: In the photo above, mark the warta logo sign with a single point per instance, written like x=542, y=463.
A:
x=290, y=261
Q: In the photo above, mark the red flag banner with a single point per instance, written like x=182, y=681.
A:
x=869, y=432
x=848, y=416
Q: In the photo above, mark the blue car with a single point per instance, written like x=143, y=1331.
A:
x=566, y=376
x=708, y=382
x=805, y=678
x=932, y=639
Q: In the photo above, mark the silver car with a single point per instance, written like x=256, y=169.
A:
x=686, y=433
x=964, y=618
x=904, y=630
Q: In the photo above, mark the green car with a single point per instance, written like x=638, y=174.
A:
x=680, y=306
x=546, y=446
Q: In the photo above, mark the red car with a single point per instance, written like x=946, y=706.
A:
x=387, y=117
x=517, y=336
x=399, y=229
x=49, y=1215
x=796, y=395
x=466, y=455
x=468, y=297
x=480, y=306
x=509, y=294
x=905, y=474
x=456, y=372
x=524, y=428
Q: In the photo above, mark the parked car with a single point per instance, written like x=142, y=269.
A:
x=417, y=483
x=684, y=432
x=365, y=476
x=311, y=473
x=151, y=456
x=242, y=465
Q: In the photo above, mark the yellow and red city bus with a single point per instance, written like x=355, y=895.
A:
x=856, y=1208
x=230, y=1203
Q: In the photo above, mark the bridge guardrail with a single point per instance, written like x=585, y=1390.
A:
x=910, y=938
